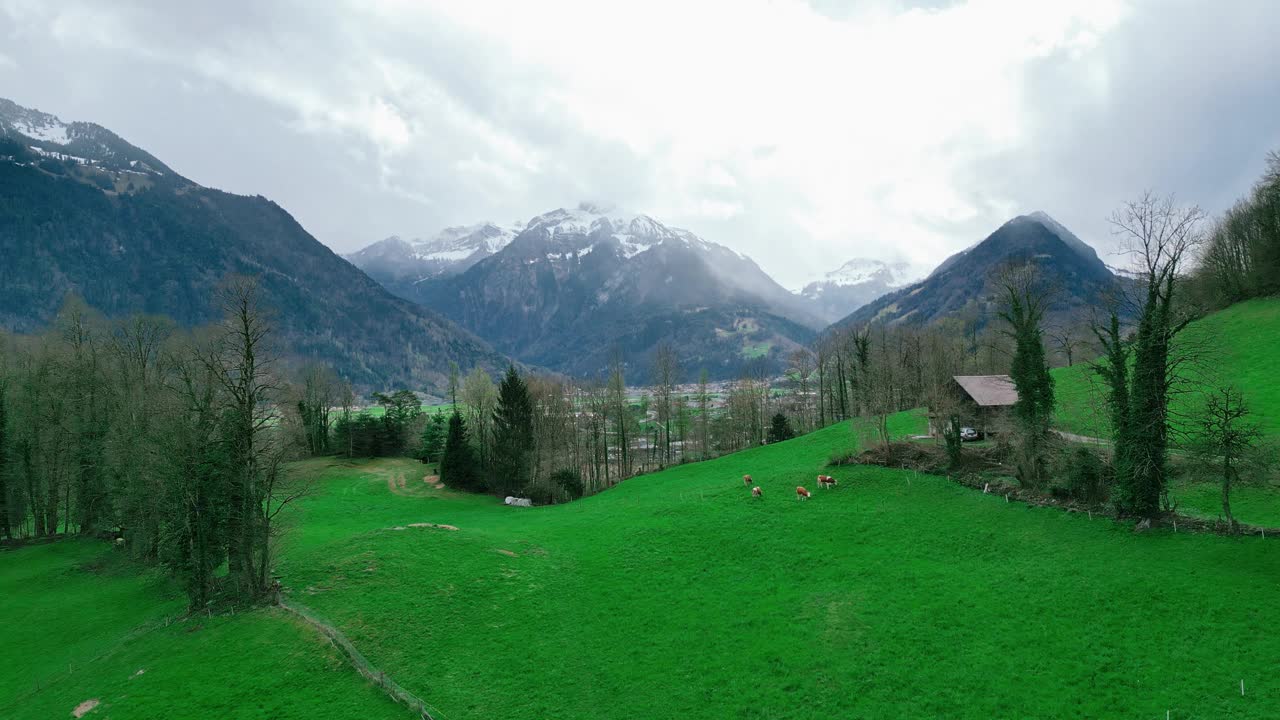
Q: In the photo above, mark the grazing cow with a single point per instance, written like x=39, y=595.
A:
x=826, y=481
x=746, y=480
x=801, y=493
x=755, y=492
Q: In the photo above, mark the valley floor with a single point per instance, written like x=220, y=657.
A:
x=675, y=595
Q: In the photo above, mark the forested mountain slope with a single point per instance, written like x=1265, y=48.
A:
x=83, y=212
x=961, y=285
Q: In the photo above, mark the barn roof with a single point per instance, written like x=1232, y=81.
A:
x=989, y=390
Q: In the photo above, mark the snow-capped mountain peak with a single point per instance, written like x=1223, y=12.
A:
x=861, y=270
x=855, y=283
x=635, y=234
x=81, y=143
x=461, y=242
x=450, y=251
x=35, y=124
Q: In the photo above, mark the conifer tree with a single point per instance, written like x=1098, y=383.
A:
x=1025, y=301
x=513, y=435
x=780, y=429
x=458, y=468
x=433, y=437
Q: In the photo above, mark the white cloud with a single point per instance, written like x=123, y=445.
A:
x=801, y=137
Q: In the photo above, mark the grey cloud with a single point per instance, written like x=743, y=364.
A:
x=259, y=98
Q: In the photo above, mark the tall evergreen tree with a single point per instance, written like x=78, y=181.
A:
x=458, y=468
x=780, y=429
x=433, y=436
x=513, y=435
x=1025, y=301
x=1113, y=368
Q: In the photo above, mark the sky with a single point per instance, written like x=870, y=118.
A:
x=803, y=134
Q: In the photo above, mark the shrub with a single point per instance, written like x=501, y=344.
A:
x=569, y=482
x=1087, y=475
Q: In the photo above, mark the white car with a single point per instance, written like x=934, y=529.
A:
x=968, y=434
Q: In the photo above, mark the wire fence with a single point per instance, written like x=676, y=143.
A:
x=362, y=665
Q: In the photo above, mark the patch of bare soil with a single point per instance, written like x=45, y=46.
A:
x=508, y=553
x=85, y=707
x=399, y=484
x=436, y=526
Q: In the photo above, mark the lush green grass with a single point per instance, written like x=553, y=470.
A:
x=676, y=595
x=79, y=623
x=379, y=411
x=1240, y=345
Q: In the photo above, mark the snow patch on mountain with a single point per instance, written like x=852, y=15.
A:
x=486, y=238
x=52, y=130
x=860, y=271
x=34, y=124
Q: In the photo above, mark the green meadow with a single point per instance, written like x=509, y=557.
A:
x=81, y=623
x=1239, y=346
x=675, y=595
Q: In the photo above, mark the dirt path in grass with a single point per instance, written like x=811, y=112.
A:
x=1072, y=437
x=399, y=484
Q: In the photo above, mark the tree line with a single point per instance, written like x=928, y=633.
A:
x=172, y=443
x=553, y=439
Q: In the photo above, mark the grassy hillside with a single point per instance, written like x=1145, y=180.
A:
x=1241, y=346
x=81, y=623
x=676, y=595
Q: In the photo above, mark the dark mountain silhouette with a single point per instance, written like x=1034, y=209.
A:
x=84, y=212
x=961, y=285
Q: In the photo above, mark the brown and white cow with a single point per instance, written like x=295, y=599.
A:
x=801, y=493
x=826, y=481
x=746, y=480
x=755, y=492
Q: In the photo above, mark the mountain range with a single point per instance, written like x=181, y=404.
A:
x=575, y=287
x=395, y=261
x=84, y=212
x=853, y=285
x=572, y=288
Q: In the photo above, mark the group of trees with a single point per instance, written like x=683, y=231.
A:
x=1156, y=362
x=366, y=434
x=172, y=441
x=1241, y=258
x=554, y=439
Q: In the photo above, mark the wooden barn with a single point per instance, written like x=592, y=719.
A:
x=983, y=402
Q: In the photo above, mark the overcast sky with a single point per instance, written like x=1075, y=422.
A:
x=801, y=133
